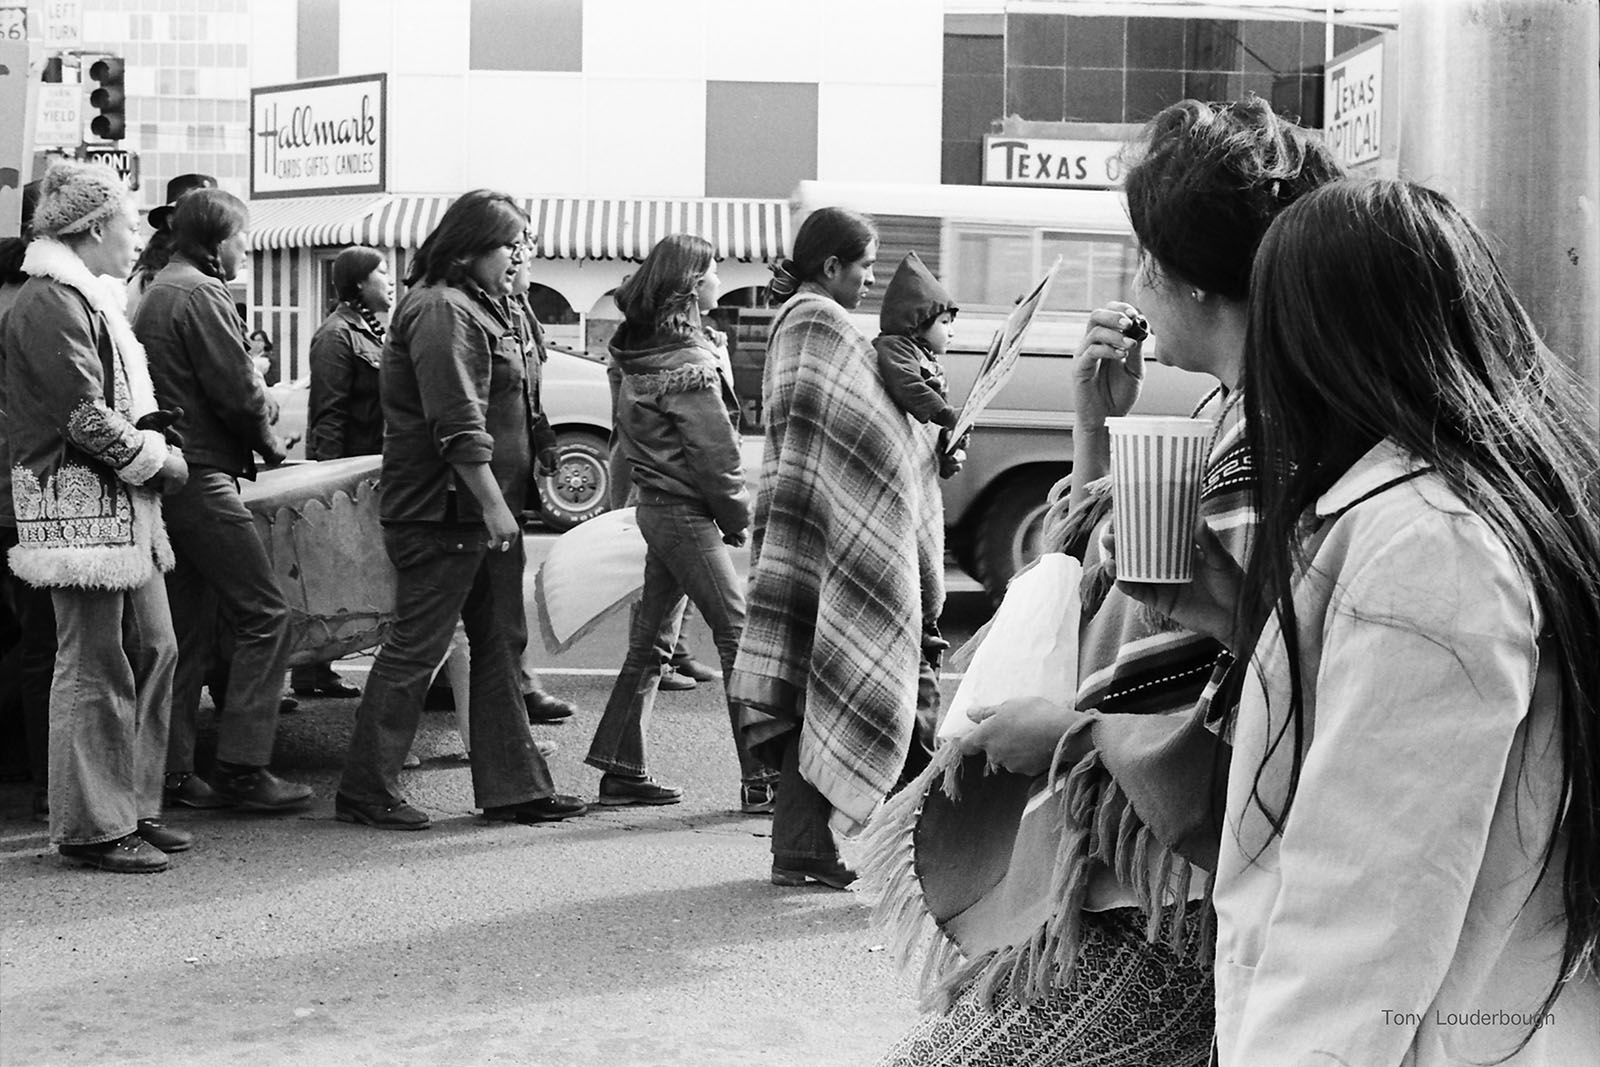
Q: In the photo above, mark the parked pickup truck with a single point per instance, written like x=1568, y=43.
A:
x=989, y=245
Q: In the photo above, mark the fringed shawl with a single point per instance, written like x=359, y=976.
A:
x=986, y=875
x=847, y=560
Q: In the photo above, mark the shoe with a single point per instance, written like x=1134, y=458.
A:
x=673, y=682
x=544, y=708
x=693, y=668
x=831, y=873
x=552, y=808
x=189, y=790
x=288, y=705
x=258, y=789
x=759, y=797
x=126, y=855
x=157, y=833
x=546, y=748
x=333, y=687
x=395, y=815
x=616, y=790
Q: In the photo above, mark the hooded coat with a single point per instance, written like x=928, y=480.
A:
x=909, y=370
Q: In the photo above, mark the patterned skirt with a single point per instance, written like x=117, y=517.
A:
x=1130, y=1004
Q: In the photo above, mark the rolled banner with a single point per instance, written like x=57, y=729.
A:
x=1157, y=463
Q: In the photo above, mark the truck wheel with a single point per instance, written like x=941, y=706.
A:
x=581, y=484
x=1008, y=533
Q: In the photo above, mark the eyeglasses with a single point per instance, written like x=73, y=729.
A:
x=521, y=249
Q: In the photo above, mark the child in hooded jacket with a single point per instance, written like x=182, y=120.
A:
x=917, y=324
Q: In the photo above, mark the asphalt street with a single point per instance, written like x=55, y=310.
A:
x=631, y=936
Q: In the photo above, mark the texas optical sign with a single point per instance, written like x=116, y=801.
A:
x=1352, y=104
x=1050, y=163
x=324, y=136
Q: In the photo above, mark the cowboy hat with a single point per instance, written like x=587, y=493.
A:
x=177, y=188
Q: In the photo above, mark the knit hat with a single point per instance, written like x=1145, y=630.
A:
x=73, y=196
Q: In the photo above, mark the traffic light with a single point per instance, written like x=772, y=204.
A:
x=109, y=99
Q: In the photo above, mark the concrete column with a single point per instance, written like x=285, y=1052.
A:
x=1500, y=109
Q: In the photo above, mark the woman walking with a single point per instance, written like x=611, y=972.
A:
x=847, y=560
x=457, y=451
x=86, y=478
x=200, y=360
x=677, y=415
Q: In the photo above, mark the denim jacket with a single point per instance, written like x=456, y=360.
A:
x=200, y=361
x=454, y=389
x=344, y=416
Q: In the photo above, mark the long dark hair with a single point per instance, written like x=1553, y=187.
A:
x=156, y=254
x=1377, y=311
x=203, y=220
x=476, y=224
x=1206, y=180
x=826, y=232
x=657, y=297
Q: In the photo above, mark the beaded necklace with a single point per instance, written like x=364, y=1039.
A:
x=368, y=316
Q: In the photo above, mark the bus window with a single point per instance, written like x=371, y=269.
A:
x=994, y=268
x=1094, y=269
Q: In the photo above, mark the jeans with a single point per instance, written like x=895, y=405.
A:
x=444, y=573
x=800, y=814
x=684, y=552
x=109, y=703
x=221, y=560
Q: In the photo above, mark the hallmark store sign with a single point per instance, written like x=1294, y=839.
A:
x=325, y=136
x=1052, y=164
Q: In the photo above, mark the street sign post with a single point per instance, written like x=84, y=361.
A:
x=124, y=162
x=59, y=120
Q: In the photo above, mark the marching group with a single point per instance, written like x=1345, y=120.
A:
x=1366, y=732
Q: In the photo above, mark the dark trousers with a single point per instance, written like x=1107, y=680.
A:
x=221, y=560
x=800, y=813
x=30, y=665
x=445, y=573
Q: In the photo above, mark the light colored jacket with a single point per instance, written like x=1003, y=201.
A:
x=1400, y=918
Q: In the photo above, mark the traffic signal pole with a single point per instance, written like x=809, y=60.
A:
x=1500, y=109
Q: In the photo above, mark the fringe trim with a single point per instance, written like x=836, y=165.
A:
x=685, y=379
x=1096, y=825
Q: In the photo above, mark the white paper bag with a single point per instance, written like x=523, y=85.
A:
x=1031, y=648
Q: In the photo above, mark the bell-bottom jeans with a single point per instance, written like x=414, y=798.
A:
x=109, y=702
x=444, y=573
x=685, y=556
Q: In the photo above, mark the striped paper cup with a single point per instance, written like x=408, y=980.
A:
x=1156, y=466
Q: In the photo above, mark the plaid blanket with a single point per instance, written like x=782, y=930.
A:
x=847, y=560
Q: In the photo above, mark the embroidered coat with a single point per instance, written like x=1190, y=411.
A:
x=73, y=381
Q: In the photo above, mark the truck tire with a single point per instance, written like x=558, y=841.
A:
x=1007, y=536
x=582, y=482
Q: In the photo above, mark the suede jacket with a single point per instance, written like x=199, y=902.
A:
x=73, y=382
x=677, y=417
x=200, y=360
x=345, y=417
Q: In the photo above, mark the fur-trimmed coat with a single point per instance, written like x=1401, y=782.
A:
x=677, y=415
x=73, y=381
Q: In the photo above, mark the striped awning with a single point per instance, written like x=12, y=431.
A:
x=310, y=222
x=567, y=227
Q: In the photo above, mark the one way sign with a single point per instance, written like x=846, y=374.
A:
x=121, y=160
